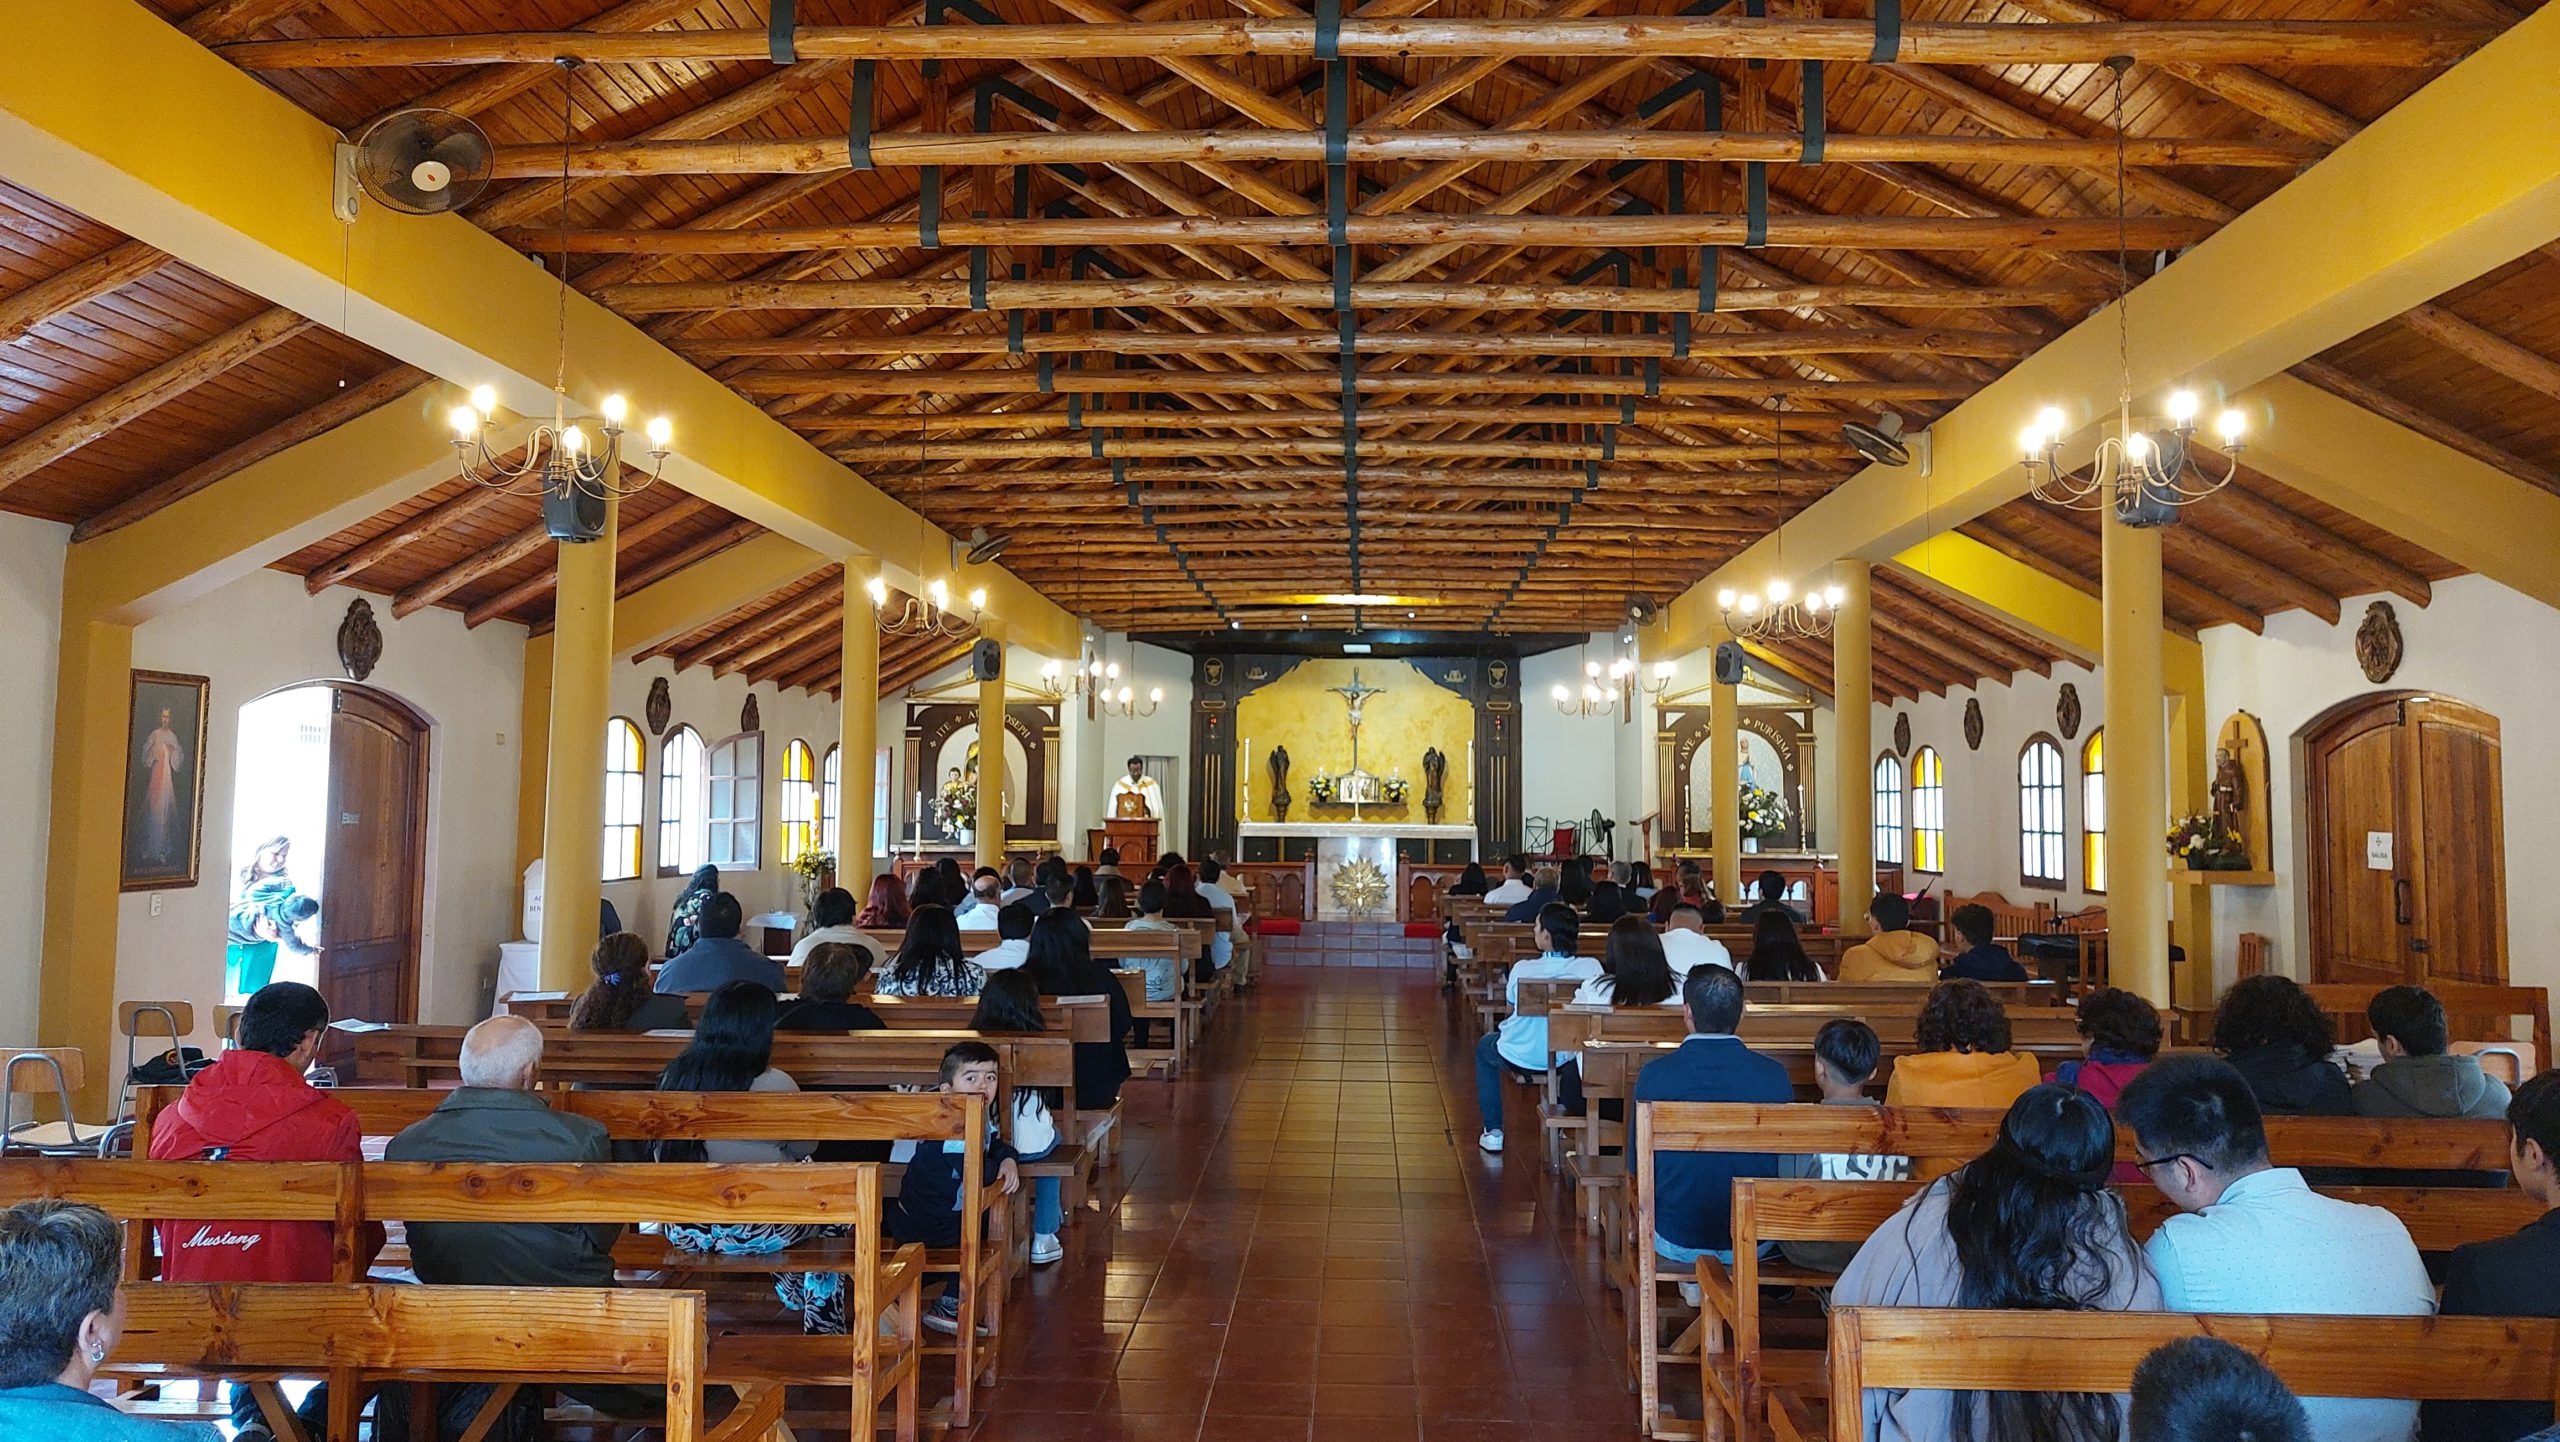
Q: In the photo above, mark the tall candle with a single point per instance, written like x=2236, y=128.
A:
x=1244, y=781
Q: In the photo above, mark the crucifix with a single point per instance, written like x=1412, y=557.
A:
x=1355, y=695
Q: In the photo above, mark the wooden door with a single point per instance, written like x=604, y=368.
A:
x=2422, y=772
x=372, y=904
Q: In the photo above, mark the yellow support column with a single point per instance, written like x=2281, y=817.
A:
x=533, y=756
x=573, y=783
x=991, y=765
x=859, y=730
x=1853, y=743
x=1724, y=779
x=2137, y=762
x=77, y=990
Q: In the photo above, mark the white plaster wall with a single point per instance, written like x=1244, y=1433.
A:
x=1166, y=733
x=1571, y=765
x=2478, y=642
x=711, y=705
x=263, y=632
x=1982, y=786
x=31, y=559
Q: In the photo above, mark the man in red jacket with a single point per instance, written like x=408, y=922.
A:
x=254, y=1106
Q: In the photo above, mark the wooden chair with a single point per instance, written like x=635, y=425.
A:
x=2252, y=956
x=2425, y=1358
x=1738, y=1371
x=260, y=1334
x=63, y=1071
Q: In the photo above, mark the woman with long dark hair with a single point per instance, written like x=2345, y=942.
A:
x=1114, y=896
x=1608, y=902
x=886, y=907
x=2027, y=1226
x=732, y=1051
x=925, y=889
x=1573, y=882
x=2275, y=1036
x=1470, y=882
x=1062, y=964
x=953, y=879
x=1086, y=892
x=1011, y=1003
x=930, y=962
x=1776, y=953
x=684, y=919
x=1635, y=970
x=620, y=998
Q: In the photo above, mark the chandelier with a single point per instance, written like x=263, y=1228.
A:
x=2145, y=474
x=1599, y=694
x=931, y=616
x=1098, y=681
x=575, y=476
x=1775, y=612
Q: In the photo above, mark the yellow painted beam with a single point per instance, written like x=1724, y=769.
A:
x=712, y=586
x=2392, y=218
x=2476, y=516
x=102, y=109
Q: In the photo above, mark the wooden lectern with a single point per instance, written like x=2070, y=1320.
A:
x=1129, y=831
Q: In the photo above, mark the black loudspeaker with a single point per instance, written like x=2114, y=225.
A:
x=1728, y=663
x=986, y=661
x=572, y=513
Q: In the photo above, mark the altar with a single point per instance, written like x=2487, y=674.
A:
x=1359, y=864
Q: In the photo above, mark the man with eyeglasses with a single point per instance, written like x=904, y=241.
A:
x=2254, y=1237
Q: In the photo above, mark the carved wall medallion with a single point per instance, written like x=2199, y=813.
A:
x=1973, y=723
x=1901, y=733
x=1214, y=671
x=1498, y=675
x=2378, y=643
x=749, y=717
x=2066, y=712
x=359, y=640
x=661, y=707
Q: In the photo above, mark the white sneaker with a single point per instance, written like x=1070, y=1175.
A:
x=1046, y=1248
x=1491, y=1141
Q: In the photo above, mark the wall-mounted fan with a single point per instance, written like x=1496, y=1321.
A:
x=417, y=162
x=1882, y=442
x=980, y=548
x=1641, y=611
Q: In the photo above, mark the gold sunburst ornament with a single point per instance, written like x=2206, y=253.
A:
x=1359, y=887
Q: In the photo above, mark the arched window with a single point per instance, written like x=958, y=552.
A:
x=801, y=822
x=683, y=767
x=831, y=802
x=1928, y=811
x=1888, y=816
x=623, y=779
x=735, y=811
x=2093, y=812
x=2040, y=813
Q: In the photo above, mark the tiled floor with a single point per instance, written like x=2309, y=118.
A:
x=1311, y=1248
x=1352, y=943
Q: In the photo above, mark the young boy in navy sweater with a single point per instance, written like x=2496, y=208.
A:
x=927, y=1206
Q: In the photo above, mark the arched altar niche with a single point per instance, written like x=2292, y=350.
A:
x=940, y=739
x=1777, y=753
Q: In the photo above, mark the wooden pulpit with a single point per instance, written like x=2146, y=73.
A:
x=1134, y=838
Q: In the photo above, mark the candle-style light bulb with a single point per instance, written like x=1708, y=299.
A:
x=1125, y=694
x=1813, y=601
x=1750, y=604
x=1778, y=593
x=661, y=431
x=939, y=594
x=879, y=590
x=465, y=420
x=2030, y=442
x=1112, y=671
x=2050, y=422
x=615, y=409
x=1662, y=670
x=573, y=440
x=978, y=598
x=1591, y=668
x=1833, y=594
x=2229, y=425
x=1562, y=694
x=1724, y=600
x=1155, y=695
x=2138, y=446
x=2182, y=407
x=484, y=399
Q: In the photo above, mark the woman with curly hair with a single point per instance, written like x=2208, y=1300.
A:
x=620, y=999
x=1963, y=1057
x=887, y=908
x=2029, y=1225
x=2273, y=1034
x=2119, y=1035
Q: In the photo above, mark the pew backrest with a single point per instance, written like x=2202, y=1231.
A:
x=2478, y=1012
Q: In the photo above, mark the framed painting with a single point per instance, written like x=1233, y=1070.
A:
x=164, y=781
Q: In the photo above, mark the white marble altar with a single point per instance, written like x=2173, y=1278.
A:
x=1350, y=843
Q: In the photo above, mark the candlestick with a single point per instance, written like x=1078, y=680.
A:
x=1244, y=780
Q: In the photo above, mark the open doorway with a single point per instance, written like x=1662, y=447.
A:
x=328, y=848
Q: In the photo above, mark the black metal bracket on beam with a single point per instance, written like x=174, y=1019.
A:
x=1817, y=124
x=857, y=144
x=929, y=207
x=779, y=39
x=1755, y=205
x=1888, y=47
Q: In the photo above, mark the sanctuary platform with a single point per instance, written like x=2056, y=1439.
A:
x=1358, y=864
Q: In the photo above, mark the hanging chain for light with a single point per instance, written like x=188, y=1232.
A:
x=1780, y=614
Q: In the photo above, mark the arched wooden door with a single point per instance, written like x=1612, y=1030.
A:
x=2405, y=868
x=373, y=903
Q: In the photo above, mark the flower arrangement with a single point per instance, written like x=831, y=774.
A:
x=1322, y=788
x=1395, y=789
x=2205, y=844
x=955, y=808
x=1764, y=813
x=1325, y=789
x=816, y=869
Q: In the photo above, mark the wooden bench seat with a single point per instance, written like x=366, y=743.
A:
x=2420, y=1358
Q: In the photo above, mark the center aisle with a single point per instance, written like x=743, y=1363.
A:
x=1311, y=1248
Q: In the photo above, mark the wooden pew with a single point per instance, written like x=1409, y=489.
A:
x=2422, y=1358
x=1949, y=1134
x=2477, y=1012
x=1086, y=1018
x=353, y=1335
x=1736, y=1370
x=981, y=1261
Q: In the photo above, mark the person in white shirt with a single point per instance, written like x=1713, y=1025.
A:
x=986, y=898
x=1018, y=876
x=1139, y=784
x=1515, y=882
x=1013, y=927
x=1686, y=943
x=2254, y=1237
x=831, y=919
x=1521, y=1041
x=1223, y=945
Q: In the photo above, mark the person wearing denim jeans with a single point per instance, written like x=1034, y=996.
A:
x=1521, y=1041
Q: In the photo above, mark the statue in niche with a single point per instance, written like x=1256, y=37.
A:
x=2230, y=793
x=1435, y=774
x=1277, y=765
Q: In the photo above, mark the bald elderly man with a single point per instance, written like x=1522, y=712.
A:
x=494, y=1116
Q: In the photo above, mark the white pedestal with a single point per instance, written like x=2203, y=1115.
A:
x=519, y=969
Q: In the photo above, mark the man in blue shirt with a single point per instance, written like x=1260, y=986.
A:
x=1521, y=1041
x=1693, y=1191
x=719, y=957
x=1982, y=958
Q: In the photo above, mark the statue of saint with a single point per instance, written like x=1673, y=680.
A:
x=2230, y=793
